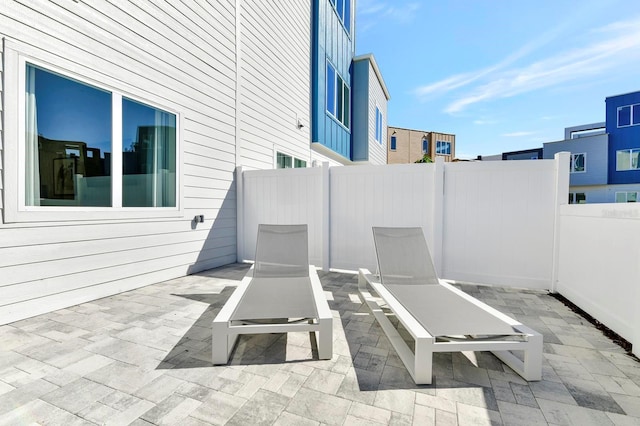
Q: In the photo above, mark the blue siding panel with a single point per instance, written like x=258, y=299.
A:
x=359, y=130
x=621, y=137
x=594, y=147
x=330, y=42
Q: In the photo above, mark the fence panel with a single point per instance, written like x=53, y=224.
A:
x=366, y=196
x=599, y=264
x=499, y=222
x=285, y=196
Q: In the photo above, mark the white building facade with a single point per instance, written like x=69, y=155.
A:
x=123, y=124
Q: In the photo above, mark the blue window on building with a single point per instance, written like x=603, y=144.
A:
x=393, y=143
x=343, y=8
x=379, y=131
x=347, y=15
x=629, y=115
x=443, y=148
x=338, y=97
x=425, y=146
x=331, y=89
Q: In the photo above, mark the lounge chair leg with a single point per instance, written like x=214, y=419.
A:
x=533, y=358
x=220, y=341
x=423, y=361
x=325, y=338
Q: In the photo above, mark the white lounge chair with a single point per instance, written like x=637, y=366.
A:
x=439, y=317
x=279, y=294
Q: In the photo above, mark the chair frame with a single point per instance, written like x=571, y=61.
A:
x=225, y=332
x=419, y=363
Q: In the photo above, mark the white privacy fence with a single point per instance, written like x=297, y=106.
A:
x=599, y=264
x=491, y=222
x=502, y=223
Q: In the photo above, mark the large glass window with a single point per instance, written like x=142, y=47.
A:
x=443, y=148
x=578, y=163
x=69, y=149
x=67, y=141
x=343, y=8
x=628, y=159
x=285, y=161
x=338, y=96
x=629, y=115
x=627, y=197
x=148, y=156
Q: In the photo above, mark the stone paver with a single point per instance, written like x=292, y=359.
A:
x=143, y=358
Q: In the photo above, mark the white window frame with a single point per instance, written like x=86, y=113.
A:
x=573, y=162
x=16, y=57
x=290, y=155
x=631, y=151
x=631, y=108
x=626, y=196
x=335, y=97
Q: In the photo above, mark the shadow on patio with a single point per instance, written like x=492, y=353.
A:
x=145, y=356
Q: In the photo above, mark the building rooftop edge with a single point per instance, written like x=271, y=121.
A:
x=423, y=131
x=369, y=57
x=622, y=94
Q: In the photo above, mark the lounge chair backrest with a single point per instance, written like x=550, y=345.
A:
x=403, y=256
x=282, y=251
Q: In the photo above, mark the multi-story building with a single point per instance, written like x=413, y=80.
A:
x=349, y=97
x=525, y=154
x=623, y=127
x=605, y=156
x=123, y=125
x=409, y=145
x=588, y=145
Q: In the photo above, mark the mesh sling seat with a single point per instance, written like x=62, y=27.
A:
x=280, y=293
x=439, y=317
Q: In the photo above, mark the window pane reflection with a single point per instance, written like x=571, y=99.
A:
x=148, y=156
x=67, y=142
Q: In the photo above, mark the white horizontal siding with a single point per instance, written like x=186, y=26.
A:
x=274, y=80
x=377, y=98
x=177, y=53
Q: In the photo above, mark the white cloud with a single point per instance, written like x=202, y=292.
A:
x=617, y=44
x=370, y=12
x=464, y=79
x=482, y=122
x=517, y=134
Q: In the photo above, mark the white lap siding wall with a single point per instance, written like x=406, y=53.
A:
x=177, y=53
x=274, y=82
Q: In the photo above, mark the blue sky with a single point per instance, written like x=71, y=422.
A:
x=501, y=75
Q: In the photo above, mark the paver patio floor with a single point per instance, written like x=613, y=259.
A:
x=144, y=357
